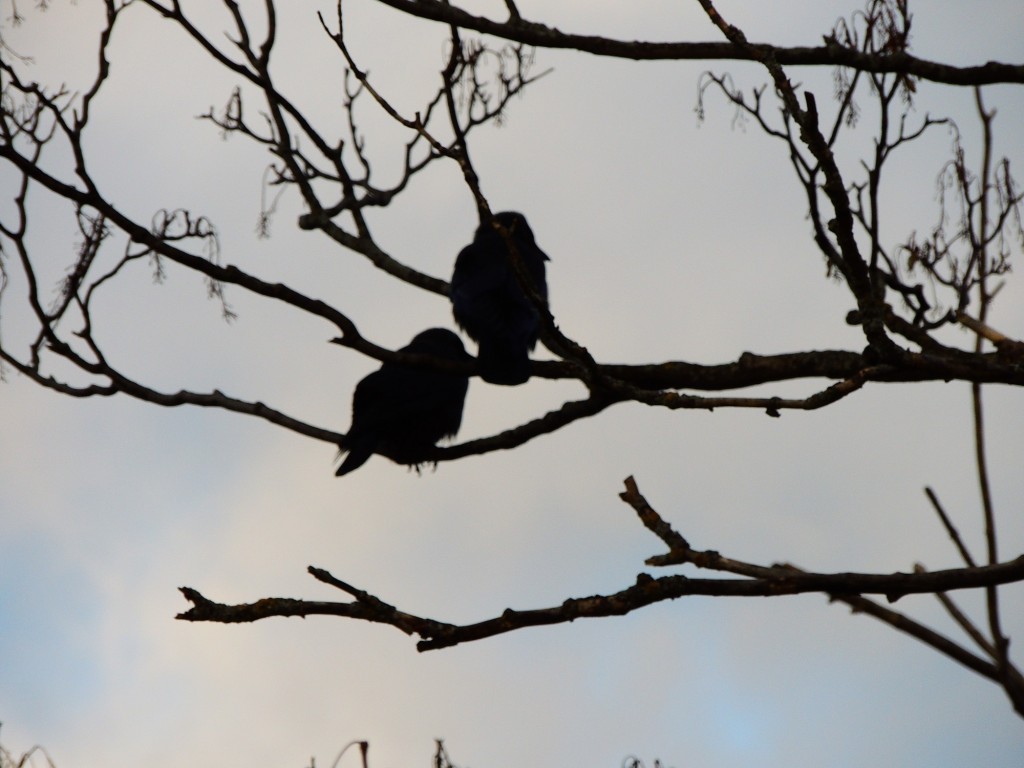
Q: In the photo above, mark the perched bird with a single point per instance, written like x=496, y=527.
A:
x=488, y=301
x=402, y=411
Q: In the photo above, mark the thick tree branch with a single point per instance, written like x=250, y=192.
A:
x=831, y=54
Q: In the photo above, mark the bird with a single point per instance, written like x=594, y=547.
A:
x=489, y=303
x=402, y=411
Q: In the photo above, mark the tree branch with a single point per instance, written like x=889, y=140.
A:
x=754, y=581
x=540, y=35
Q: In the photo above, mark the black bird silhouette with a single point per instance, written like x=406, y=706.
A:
x=402, y=411
x=489, y=304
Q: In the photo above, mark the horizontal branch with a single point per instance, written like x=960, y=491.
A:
x=832, y=54
x=771, y=405
x=646, y=591
x=367, y=608
x=751, y=369
x=750, y=581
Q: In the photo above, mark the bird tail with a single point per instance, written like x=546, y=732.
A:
x=504, y=361
x=357, y=456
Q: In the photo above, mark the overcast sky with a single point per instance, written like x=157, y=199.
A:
x=669, y=240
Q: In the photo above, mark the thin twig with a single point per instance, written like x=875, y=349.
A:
x=954, y=534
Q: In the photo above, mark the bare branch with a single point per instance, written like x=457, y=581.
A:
x=647, y=591
x=831, y=54
x=755, y=581
x=931, y=638
x=961, y=619
x=954, y=534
